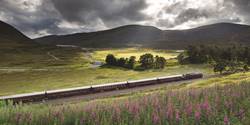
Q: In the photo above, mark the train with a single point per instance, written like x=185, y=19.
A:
x=55, y=94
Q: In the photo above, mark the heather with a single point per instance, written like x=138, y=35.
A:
x=220, y=105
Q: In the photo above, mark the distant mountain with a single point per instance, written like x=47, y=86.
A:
x=11, y=37
x=148, y=36
x=220, y=33
x=118, y=37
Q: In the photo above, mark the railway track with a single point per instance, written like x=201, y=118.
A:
x=97, y=89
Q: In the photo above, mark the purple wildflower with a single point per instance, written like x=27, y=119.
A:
x=189, y=109
x=197, y=115
x=156, y=118
x=226, y=120
x=177, y=115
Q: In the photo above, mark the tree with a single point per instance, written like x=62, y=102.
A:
x=160, y=62
x=183, y=58
x=220, y=67
x=111, y=60
x=131, y=62
x=147, y=61
x=234, y=65
x=121, y=62
x=246, y=68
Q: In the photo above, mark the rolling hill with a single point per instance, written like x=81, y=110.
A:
x=12, y=38
x=17, y=50
x=148, y=36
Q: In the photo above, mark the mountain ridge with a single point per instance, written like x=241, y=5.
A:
x=11, y=37
x=149, y=36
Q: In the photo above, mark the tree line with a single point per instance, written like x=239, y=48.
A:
x=228, y=58
x=146, y=61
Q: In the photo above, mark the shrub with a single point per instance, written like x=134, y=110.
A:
x=110, y=59
x=147, y=61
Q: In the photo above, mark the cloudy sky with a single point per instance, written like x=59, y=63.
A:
x=37, y=18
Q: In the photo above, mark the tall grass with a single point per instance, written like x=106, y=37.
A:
x=220, y=105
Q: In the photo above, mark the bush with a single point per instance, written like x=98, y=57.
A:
x=147, y=61
x=160, y=62
x=121, y=62
x=131, y=62
x=220, y=67
x=110, y=60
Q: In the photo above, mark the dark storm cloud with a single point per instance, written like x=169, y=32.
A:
x=90, y=15
x=192, y=14
x=184, y=14
x=234, y=11
x=109, y=11
x=43, y=17
x=242, y=7
x=30, y=19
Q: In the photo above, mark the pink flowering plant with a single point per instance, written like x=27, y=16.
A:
x=220, y=105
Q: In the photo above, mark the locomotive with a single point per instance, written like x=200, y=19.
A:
x=54, y=94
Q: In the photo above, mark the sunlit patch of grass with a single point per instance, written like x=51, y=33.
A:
x=232, y=79
x=30, y=81
x=137, y=52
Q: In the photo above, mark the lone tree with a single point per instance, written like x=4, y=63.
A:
x=147, y=61
x=131, y=62
x=110, y=60
x=160, y=62
x=220, y=67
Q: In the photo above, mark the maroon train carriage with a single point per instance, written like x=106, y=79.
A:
x=25, y=98
x=67, y=92
x=143, y=82
x=192, y=76
x=170, y=78
x=109, y=87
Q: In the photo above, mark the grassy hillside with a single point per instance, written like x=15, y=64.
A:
x=11, y=37
x=17, y=50
x=151, y=37
x=40, y=57
x=224, y=104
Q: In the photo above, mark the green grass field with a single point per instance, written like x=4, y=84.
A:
x=137, y=52
x=40, y=57
x=30, y=81
x=221, y=101
x=77, y=71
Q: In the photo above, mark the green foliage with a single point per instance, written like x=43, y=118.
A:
x=147, y=61
x=230, y=58
x=131, y=62
x=110, y=60
x=2, y=104
x=183, y=58
x=121, y=62
x=197, y=54
x=160, y=62
x=220, y=67
x=246, y=68
x=206, y=53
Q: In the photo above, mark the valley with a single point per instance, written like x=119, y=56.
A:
x=220, y=52
x=62, y=74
